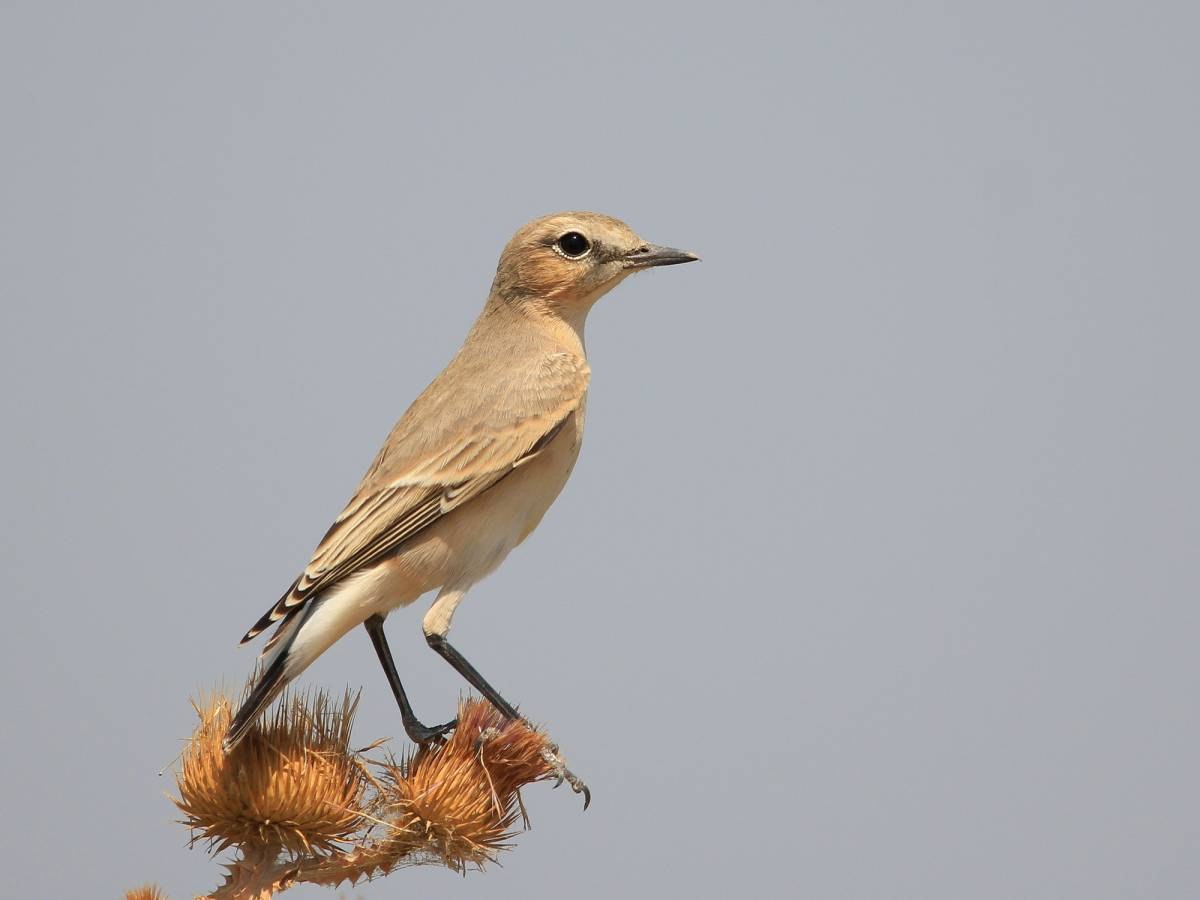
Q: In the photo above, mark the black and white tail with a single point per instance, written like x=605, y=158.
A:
x=276, y=673
x=305, y=633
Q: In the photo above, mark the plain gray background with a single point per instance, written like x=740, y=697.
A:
x=877, y=576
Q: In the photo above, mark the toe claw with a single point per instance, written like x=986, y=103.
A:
x=423, y=735
x=561, y=773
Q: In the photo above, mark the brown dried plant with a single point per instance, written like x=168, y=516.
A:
x=300, y=806
x=292, y=783
x=146, y=892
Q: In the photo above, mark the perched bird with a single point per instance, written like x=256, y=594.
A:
x=469, y=470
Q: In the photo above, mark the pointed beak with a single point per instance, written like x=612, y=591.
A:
x=648, y=255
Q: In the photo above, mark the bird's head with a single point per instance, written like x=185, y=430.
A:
x=565, y=262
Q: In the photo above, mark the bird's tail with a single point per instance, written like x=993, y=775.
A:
x=275, y=675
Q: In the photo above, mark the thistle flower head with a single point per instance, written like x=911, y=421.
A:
x=453, y=804
x=462, y=798
x=292, y=783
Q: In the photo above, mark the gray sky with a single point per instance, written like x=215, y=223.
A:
x=877, y=576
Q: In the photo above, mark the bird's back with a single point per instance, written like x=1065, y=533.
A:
x=510, y=378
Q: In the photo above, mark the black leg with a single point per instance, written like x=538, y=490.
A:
x=418, y=733
x=469, y=672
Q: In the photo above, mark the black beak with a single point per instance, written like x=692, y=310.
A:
x=648, y=255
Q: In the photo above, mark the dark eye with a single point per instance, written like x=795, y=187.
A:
x=573, y=245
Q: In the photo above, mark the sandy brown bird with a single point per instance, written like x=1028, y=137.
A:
x=469, y=470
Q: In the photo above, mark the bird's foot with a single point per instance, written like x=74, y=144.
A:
x=559, y=768
x=424, y=735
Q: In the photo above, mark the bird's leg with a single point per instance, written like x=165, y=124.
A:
x=418, y=733
x=466, y=670
x=436, y=626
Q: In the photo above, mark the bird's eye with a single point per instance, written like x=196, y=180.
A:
x=573, y=245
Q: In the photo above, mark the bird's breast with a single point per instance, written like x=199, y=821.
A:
x=473, y=540
x=549, y=472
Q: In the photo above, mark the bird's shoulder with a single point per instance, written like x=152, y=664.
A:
x=493, y=401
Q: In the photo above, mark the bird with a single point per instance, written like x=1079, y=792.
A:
x=467, y=473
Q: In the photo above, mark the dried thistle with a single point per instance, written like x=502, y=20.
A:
x=292, y=784
x=300, y=806
x=463, y=797
x=146, y=892
x=453, y=805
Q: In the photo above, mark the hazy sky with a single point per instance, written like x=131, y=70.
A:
x=878, y=574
